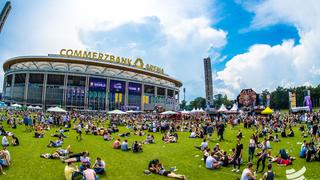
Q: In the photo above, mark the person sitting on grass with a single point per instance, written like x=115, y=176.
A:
x=89, y=174
x=203, y=145
x=124, y=146
x=15, y=141
x=136, y=147
x=149, y=139
x=4, y=160
x=71, y=171
x=211, y=162
x=57, y=143
x=107, y=136
x=276, y=139
x=60, y=133
x=156, y=167
x=116, y=144
x=291, y=133
x=99, y=166
x=5, y=141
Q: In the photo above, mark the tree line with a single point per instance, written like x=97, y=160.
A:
x=279, y=98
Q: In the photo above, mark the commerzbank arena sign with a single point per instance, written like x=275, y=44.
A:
x=138, y=63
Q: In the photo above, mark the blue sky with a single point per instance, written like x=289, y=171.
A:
x=253, y=44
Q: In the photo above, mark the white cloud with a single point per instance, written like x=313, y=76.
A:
x=173, y=34
x=285, y=64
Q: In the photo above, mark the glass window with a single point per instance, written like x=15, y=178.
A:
x=35, y=88
x=55, y=87
x=117, y=95
x=7, y=87
x=134, y=96
x=76, y=91
x=18, y=87
x=97, y=94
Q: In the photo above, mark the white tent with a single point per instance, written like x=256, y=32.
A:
x=222, y=108
x=168, y=113
x=30, y=107
x=185, y=112
x=133, y=112
x=194, y=110
x=234, y=108
x=16, y=106
x=116, y=112
x=38, y=108
x=56, y=109
x=201, y=110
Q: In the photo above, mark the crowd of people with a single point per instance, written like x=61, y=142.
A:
x=266, y=130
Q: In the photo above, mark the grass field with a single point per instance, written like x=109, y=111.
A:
x=27, y=164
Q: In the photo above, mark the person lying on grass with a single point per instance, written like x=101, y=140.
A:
x=282, y=162
x=60, y=133
x=57, y=143
x=156, y=167
x=58, y=154
x=99, y=166
x=4, y=160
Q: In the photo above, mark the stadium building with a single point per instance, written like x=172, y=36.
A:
x=86, y=80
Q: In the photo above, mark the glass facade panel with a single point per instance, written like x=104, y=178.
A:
x=18, y=87
x=7, y=87
x=160, y=95
x=55, y=88
x=76, y=91
x=97, y=94
x=148, y=94
x=134, y=96
x=117, y=95
x=35, y=88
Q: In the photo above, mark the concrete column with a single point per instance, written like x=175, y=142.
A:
x=155, y=95
x=12, y=86
x=65, y=85
x=126, y=95
x=44, y=90
x=86, y=92
x=26, y=87
x=107, y=94
x=165, y=98
x=142, y=98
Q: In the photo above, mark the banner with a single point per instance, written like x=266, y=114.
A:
x=307, y=102
x=293, y=99
x=117, y=86
x=268, y=97
x=134, y=88
x=96, y=84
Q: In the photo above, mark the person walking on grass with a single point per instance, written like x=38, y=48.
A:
x=79, y=132
x=263, y=156
x=238, y=156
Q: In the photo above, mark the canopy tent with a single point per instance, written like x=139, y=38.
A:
x=37, y=108
x=133, y=112
x=56, y=109
x=303, y=108
x=2, y=105
x=30, y=107
x=234, y=108
x=222, y=108
x=185, y=112
x=16, y=105
x=267, y=111
x=117, y=111
x=201, y=110
x=168, y=113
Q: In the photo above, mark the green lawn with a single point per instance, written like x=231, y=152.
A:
x=26, y=163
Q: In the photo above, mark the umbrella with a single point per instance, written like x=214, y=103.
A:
x=168, y=113
x=116, y=112
x=56, y=109
x=16, y=105
x=267, y=111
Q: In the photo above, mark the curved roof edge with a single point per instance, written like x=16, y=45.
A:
x=83, y=61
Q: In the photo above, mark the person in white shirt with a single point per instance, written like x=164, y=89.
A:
x=5, y=141
x=99, y=166
x=247, y=173
x=211, y=162
x=203, y=145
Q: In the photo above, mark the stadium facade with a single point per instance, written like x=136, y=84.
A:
x=84, y=80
